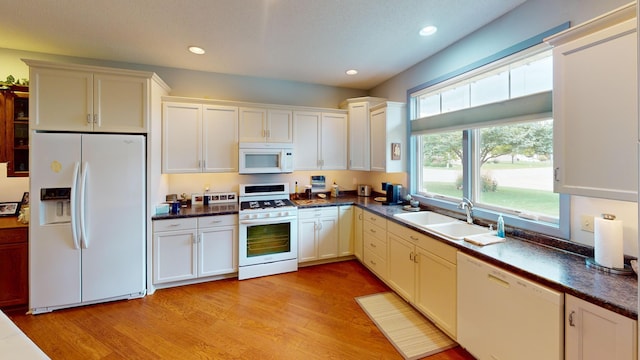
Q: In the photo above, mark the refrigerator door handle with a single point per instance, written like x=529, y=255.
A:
x=74, y=210
x=83, y=188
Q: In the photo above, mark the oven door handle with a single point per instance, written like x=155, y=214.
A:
x=268, y=220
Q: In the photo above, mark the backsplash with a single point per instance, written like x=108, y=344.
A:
x=11, y=188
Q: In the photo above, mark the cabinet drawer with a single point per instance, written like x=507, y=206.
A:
x=375, y=245
x=14, y=235
x=221, y=220
x=375, y=219
x=375, y=263
x=374, y=230
x=439, y=248
x=317, y=212
x=175, y=224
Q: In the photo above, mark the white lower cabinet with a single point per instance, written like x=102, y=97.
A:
x=423, y=271
x=374, y=229
x=358, y=219
x=592, y=332
x=345, y=230
x=190, y=248
x=218, y=245
x=317, y=233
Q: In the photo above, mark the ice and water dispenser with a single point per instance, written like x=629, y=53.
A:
x=55, y=205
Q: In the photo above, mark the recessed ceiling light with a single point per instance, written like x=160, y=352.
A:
x=351, y=72
x=196, y=50
x=428, y=30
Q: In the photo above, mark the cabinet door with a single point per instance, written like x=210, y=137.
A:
x=14, y=271
x=401, y=273
x=328, y=237
x=181, y=140
x=217, y=251
x=592, y=332
x=358, y=235
x=359, y=136
x=120, y=103
x=378, y=139
x=307, y=240
x=306, y=137
x=175, y=256
x=220, y=138
x=346, y=231
x=595, y=114
x=280, y=126
x=253, y=125
x=436, y=290
x=333, y=146
x=61, y=99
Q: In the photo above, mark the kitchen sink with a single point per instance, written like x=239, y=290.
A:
x=457, y=230
x=425, y=218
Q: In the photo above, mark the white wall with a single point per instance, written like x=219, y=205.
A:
x=11, y=188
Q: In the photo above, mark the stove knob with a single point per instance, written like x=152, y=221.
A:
x=267, y=215
x=253, y=216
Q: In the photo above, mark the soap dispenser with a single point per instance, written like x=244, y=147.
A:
x=500, y=227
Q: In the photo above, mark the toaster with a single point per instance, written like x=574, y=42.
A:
x=364, y=190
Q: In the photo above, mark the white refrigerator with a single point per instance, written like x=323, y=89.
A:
x=87, y=228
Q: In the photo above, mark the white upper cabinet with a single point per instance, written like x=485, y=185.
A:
x=595, y=107
x=320, y=140
x=266, y=125
x=360, y=131
x=84, y=98
x=388, y=133
x=199, y=138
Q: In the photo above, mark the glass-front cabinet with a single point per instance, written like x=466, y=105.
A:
x=15, y=123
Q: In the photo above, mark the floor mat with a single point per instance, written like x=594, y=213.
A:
x=410, y=333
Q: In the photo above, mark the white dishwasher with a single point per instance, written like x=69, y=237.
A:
x=502, y=316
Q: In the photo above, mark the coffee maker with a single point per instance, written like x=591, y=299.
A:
x=394, y=193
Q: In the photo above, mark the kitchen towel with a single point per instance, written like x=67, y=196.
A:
x=608, y=243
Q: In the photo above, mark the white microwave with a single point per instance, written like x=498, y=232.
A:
x=265, y=158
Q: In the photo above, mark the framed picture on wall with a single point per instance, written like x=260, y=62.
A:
x=395, y=151
x=9, y=208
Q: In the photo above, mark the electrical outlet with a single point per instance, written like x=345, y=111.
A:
x=586, y=223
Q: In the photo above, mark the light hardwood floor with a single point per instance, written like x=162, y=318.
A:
x=309, y=314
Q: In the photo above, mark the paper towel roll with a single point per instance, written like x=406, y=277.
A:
x=608, y=243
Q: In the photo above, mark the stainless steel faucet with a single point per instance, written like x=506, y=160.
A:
x=467, y=205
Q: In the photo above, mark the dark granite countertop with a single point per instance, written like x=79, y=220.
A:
x=558, y=269
x=562, y=270
x=200, y=210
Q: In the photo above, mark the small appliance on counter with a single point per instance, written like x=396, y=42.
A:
x=394, y=193
x=364, y=190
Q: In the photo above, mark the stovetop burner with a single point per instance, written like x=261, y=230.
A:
x=265, y=204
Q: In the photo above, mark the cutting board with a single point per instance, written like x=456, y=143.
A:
x=483, y=239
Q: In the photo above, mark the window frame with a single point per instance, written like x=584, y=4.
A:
x=469, y=166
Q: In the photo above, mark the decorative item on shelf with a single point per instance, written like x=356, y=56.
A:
x=9, y=208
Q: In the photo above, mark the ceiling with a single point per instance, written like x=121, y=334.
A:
x=312, y=41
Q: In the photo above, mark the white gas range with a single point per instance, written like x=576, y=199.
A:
x=268, y=231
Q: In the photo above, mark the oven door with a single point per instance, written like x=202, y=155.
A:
x=267, y=240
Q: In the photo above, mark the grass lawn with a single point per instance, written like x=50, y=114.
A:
x=538, y=201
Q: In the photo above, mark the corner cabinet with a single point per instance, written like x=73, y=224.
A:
x=199, y=138
x=595, y=97
x=320, y=140
x=360, y=131
x=388, y=134
x=14, y=121
x=87, y=98
x=317, y=234
x=592, y=332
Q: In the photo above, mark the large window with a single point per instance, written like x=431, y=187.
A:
x=488, y=136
